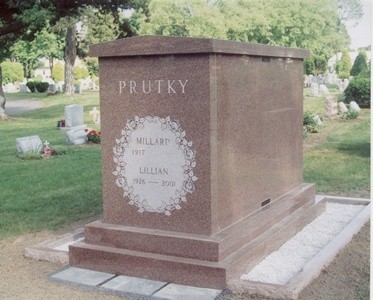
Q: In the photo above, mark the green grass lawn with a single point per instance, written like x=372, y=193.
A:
x=47, y=193
x=50, y=193
x=337, y=158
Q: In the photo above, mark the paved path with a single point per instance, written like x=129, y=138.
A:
x=14, y=108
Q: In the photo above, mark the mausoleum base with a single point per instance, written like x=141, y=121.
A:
x=198, y=260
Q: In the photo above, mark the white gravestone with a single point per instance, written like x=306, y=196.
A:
x=314, y=89
x=342, y=107
x=331, y=106
x=78, y=89
x=76, y=136
x=354, y=106
x=74, y=117
x=323, y=89
x=53, y=88
x=155, y=164
x=23, y=88
x=29, y=144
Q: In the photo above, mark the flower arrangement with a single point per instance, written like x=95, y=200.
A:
x=93, y=136
x=47, y=151
x=61, y=123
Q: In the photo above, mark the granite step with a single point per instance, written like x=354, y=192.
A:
x=190, y=271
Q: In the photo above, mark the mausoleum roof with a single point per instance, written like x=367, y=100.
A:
x=166, y=45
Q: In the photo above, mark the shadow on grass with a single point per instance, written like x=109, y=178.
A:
x=355, y=148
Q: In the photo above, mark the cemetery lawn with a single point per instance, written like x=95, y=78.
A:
x=48, y=193
x=337, y=158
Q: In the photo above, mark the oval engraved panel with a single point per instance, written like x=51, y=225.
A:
x=154, y=164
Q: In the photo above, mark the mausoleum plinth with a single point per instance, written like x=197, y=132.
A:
x=202, y=158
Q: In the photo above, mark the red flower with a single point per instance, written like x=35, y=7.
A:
x=86, y=130
x=93, y=132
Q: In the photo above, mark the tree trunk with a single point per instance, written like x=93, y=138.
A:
x=51, y=63
x=70, y=55
x=2, y=98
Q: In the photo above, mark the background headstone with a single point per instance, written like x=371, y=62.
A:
x=76, y=136
x=314, y=89
x=331, y=107
x=323, y=89
x=53, y=88
x=74, y=116
x=29, y=144
x=78, y=89
x=342, y=107
x=354, y=106
x=23, y=88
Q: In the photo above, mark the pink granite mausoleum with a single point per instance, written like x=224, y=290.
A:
x=201, y=158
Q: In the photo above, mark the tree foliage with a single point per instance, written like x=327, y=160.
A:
x=58, y=72
x=80, y=72
x=23, y=19
x=343, y=66
x=12, y=72
x=359, y=90
x=317, y=25
x=360, y=65
x=97, y=27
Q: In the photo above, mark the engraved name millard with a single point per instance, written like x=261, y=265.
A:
x=154, y=164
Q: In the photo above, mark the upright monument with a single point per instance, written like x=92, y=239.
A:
x=201, y=155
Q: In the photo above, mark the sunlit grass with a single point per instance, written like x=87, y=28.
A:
x=47, y=193
x=339, y=160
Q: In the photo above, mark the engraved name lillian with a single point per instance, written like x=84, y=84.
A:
x=151, y=142
x=158, y=86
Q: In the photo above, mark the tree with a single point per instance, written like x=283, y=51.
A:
x=349, y=11
x=12, y=72
x=22, y=19
x=44, y=44
x=344, y=65
x=360, y=65
x=315, y=25
x=80, y=72
x=70, y=56
x=97, y=27
x=58, y=72
x=183, y=18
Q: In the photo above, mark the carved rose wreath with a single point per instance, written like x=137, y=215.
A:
x=190, y=162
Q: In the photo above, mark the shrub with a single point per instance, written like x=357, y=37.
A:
x=42, y=86
x=58, y=72
x=12, y=72
x=80, y=72
x=351, y=114
x=359, y=91
x=92, y=65
x=343, y=66
x=32, y=86
x=360, y=64
x=310, y=123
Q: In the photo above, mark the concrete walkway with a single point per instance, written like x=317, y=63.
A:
x=15, y=108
